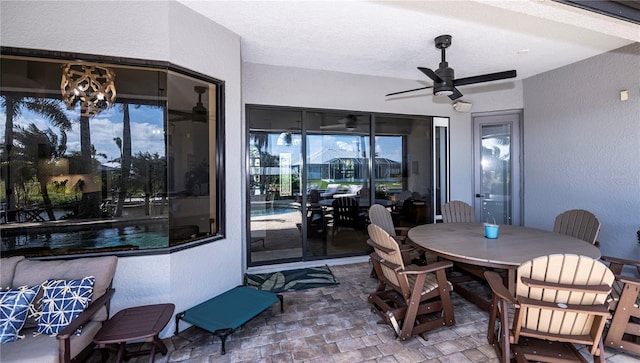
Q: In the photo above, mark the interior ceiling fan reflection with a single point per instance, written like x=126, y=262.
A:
x=444, y=83
x=198, y=112
x=350, y=123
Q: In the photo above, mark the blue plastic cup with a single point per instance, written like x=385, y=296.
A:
x=491, y=230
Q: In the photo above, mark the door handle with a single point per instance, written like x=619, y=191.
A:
x=479, y=195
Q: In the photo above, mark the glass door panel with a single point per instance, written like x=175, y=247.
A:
x=441, y=164
x=403, y=167
x=275, y=213
x=497, y=168
x=338, y=165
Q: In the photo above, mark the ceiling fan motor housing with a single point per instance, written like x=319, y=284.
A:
x=446, y=74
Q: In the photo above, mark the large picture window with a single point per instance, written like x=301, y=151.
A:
x=101, y=156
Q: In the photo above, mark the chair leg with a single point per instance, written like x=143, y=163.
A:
x=412, y=308
x=621, y=316
x=445, y=298
x=491, y=332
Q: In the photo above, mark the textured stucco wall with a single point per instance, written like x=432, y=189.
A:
x=582, y=146
x=164, y=31
x=286, y=86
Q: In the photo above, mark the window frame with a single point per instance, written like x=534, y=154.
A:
x=218, y=164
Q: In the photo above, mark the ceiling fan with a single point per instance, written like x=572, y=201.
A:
x=350, y=123
x=198, y=112
x=444, y=83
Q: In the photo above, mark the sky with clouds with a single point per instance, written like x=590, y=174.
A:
x=389, y=147
x=147, y=133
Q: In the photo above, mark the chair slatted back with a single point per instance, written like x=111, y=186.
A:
x=458, y=212
x=565, y=269
x=382, y=238
x=578, y=223
x=345, y=212
x=381, y=217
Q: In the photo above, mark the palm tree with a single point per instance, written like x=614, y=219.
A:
x=14, y=105
x=125, y=160
x=35, y=150
x=148, y=175
x=90, y=202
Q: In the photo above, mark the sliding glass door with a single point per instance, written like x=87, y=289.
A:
x=274, y=209
x=313, y=174
x=338, y=183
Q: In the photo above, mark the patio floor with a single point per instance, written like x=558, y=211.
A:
x=335, y=324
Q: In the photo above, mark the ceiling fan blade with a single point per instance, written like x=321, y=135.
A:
x=455, y=95
x=484, y=78
x=333, y=126
x=409, y=90
x=431, y=74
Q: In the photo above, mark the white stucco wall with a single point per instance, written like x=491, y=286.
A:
x=286, y=86
x=165, y=31
x=582, y=146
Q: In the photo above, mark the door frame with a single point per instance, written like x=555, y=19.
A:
x=516, y=160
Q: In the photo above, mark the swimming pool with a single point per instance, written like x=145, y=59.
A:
x=261, y=211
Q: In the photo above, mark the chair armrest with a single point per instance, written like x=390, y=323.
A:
x=374, y=256
x=432, y=267
x=402, y=231
x=628, y=280
x=388, y=250
x=86, y=315
x=617, y=263
x=497, y=286
x=400, y=239
x=405, y=248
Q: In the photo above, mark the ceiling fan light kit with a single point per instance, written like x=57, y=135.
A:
x=462, y=106
x=444, y=82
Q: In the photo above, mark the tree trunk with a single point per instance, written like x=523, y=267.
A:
x=90, y=202
x=125, y=167
x=10, y=208
x=42, y=180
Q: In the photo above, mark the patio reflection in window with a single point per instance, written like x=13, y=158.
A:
x=133, y=176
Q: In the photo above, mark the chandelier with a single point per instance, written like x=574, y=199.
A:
x=91, y=86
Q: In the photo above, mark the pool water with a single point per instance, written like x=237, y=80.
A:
x=150, y=236
x=271, y=210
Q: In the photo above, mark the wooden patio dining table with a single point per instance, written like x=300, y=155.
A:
x=466, y=244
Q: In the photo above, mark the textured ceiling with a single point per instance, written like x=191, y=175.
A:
x=392, y=38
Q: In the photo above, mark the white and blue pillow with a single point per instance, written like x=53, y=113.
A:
x=14, y=307
x=63, y=301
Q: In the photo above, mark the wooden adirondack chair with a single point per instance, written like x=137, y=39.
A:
x=411, y=299
x=458, y=212
x=561, y=300
x=578, y=223
x=624, y=330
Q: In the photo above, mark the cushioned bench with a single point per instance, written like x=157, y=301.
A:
x=225, y=313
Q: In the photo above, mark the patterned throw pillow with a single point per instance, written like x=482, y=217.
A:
x=14, y=306
x=63, y=301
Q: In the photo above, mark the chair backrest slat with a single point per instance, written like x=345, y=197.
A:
x=381, y=217
x=345, y=212
x=578, y=223
x=457, y=211
x=567, y=269
x=382, y=238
